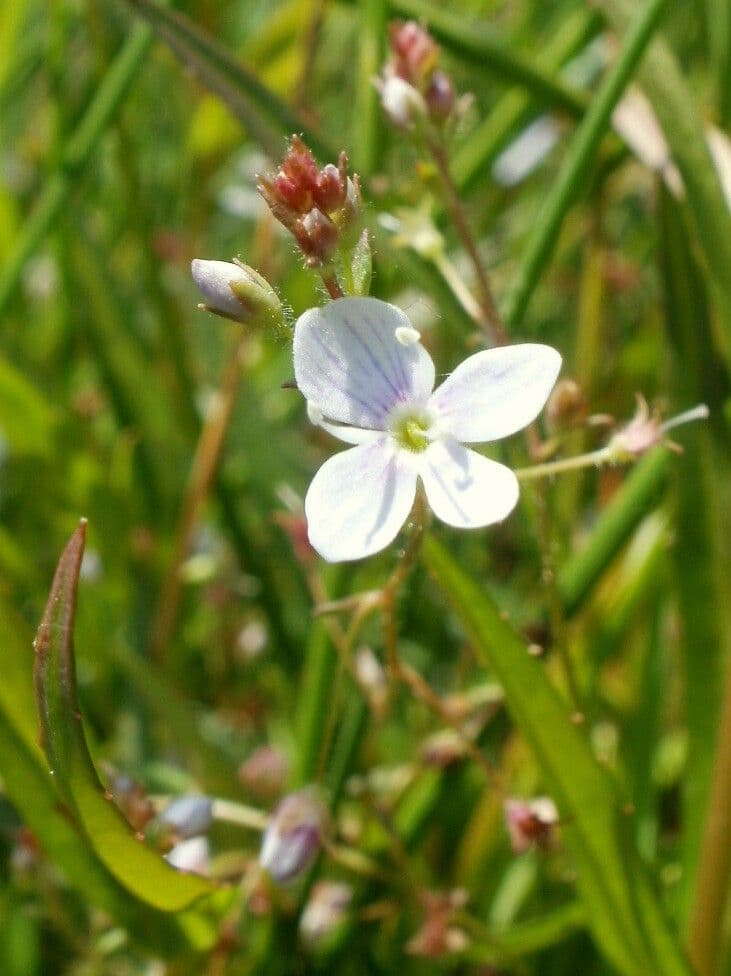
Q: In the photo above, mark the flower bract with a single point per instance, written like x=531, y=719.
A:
x=368, y=389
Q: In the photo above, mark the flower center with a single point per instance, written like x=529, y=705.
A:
x=410, y=431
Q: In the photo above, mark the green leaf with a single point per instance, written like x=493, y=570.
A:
x=702, y=576
x=140, y=870
x=641, y=491
x=267, y=118
x=26, y=419
x=28, y=784
x=367, y=134
x=622, y=908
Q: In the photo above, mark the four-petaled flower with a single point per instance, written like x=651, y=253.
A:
x=369, y=381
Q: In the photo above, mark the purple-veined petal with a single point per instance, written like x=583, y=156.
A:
x=358, y=501
x=349, y=362
x=465, y=489
x=496, y=392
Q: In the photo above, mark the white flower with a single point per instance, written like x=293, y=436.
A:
x=368, y=389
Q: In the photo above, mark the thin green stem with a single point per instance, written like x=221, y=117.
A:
x=489, y=320
x=604, y=455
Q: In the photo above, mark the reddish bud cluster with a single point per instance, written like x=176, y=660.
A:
x=415, y=60
x=414, y=53
x=316, y=205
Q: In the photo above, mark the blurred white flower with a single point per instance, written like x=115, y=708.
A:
x=367, y=388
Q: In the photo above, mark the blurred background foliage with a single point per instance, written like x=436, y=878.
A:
x=122, y=156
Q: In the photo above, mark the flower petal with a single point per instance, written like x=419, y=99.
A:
x=358, y=501
x=464, y=488
x=496, y=392
x=349, y=362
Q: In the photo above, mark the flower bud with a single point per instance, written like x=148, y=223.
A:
x=265, y=772
x=294, y=836
x=317, y=237
x=325, y=910
x=531, y=822
x=440, y=97
x=646, y=431
x=403, y=104
x=566, y=407
x=235, y=291
x=192, y=856
x=414, y=53
x=188, y=816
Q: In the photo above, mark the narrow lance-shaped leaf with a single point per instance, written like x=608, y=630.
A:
x=259, y=109
x=139, y=869
x=623, y=910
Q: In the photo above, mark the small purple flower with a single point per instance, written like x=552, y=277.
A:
x=294, y=836
x=368, y=387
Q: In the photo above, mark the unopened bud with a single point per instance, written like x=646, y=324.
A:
x=403, y=104
x=191, y=856
x=646, y=431
x=566, y=407
x=236, y=291
x=265, y=772
x=325, y=910
x=188, y=816
x=294, y=836
x=440, y=97
x=531, y=822
x=317, y=236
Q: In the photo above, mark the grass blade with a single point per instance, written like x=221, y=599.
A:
x=139, y=869
x=477, y=153
x=681, y=121
x=642, y=489
x=584, y=145
x=268, y=119
x=110, y=95
x=702, y=574
x=622, y=909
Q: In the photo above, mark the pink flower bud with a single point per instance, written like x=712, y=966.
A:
x=294, y=836
x=531, y=822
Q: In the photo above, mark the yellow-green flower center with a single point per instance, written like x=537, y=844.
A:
x=410, y=432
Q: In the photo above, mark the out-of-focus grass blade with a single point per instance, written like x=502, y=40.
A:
x=26, y=782
x=367, y=115
x=533, y=936
x=26, y=419
x=30, y=788
x=641, y=490
x=681, y=121
x=76, y=153
x=267, y=118
x=475, y=43
x=582, y=150
x=139, y=869
x=622, y=908
x=702, y=575
x=478, y=152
